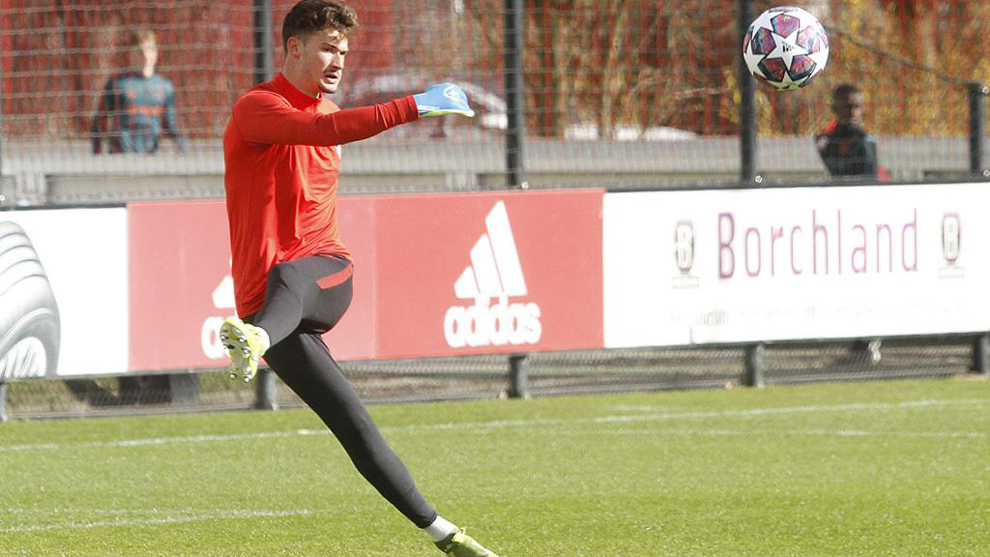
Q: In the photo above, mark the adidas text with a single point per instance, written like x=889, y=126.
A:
x=497, y=325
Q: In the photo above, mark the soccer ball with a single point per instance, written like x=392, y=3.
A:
x=786, y=48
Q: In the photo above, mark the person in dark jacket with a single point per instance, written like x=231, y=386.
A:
x=138, y=105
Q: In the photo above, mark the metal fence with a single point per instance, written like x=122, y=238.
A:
x=610, y=93
x=549, y=374
x=620, y=93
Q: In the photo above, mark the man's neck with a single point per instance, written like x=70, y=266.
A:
x=299, y=83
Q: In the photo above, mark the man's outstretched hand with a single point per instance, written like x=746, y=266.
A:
x=444, y=98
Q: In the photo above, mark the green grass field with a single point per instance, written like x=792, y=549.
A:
x=867, y=469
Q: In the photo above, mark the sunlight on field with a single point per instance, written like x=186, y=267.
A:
x=866, y=469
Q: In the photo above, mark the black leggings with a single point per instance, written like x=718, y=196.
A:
x=306, y=298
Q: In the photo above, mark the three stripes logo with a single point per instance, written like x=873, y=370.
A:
x=223, y=301
x=493, y=276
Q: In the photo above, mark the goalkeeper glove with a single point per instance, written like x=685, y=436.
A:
x=444, y=98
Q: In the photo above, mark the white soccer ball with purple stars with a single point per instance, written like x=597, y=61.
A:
x=786, y=48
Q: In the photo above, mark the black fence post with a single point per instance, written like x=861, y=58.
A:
x=264, y=58
x=3, y=402
x=518, y=376
x=978, y=94
x=981, y=355
x=747, y=102
x=266, y=382
x=753, y=376
x=515, y=131
x=515, y=101
x=183, y=388
x=266, y=390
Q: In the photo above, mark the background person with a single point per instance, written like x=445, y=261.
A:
x=848, y=151
x=138, y=105
x=844, y=146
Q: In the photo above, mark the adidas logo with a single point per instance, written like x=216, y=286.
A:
x=223, y=299
x=493, y=275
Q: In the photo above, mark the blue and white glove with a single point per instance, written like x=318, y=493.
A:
x=444, y=98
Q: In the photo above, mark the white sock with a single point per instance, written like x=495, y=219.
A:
x=440, y=529
x=265, y=340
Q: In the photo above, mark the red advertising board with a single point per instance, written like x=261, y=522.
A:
x=181, y=288
x=435, y=275
x=178, y=260
x=490, y=272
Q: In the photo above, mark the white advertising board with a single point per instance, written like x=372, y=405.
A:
x=84, y=256
x=726, y=266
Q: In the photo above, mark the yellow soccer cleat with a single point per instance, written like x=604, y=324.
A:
x=460, y=544
x=245, y=346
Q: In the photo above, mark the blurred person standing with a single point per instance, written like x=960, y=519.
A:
x=844, y=145
x=848, y=151
x=138, y=105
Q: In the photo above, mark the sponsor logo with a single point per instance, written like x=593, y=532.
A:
x=950, y=237
x=493, y=277
x=951, y=244
x=223, y=299
x=684, y=255
x=452, y=93
x=815, y=246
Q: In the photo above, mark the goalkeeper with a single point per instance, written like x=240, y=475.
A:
x=292, y=275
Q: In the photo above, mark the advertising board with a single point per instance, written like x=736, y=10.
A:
x=730, y=266
x=63, y=292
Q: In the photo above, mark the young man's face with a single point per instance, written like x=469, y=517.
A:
x=144, y=54
x=321, y=59
x=849, y=109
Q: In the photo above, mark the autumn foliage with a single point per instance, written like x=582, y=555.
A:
x=609, y=65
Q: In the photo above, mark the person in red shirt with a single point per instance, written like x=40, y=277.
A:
x=292, y=274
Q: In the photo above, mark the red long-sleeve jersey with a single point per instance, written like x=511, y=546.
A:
x=281, y=177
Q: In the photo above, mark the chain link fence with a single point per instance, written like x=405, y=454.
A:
x=617, y=93
x=549, y=374
x=629, y=93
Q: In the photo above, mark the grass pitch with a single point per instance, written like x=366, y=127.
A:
x=868, y=469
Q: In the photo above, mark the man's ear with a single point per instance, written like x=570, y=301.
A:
x=293, y=47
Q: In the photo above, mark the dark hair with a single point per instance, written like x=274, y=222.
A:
x=844, y=91
x=310, y=16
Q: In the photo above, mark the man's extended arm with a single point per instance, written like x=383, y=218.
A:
x=264, y=117
x=104, y=110
x=171, y=122
x=871, y=165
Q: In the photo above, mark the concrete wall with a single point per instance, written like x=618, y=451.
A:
x=67, y=174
